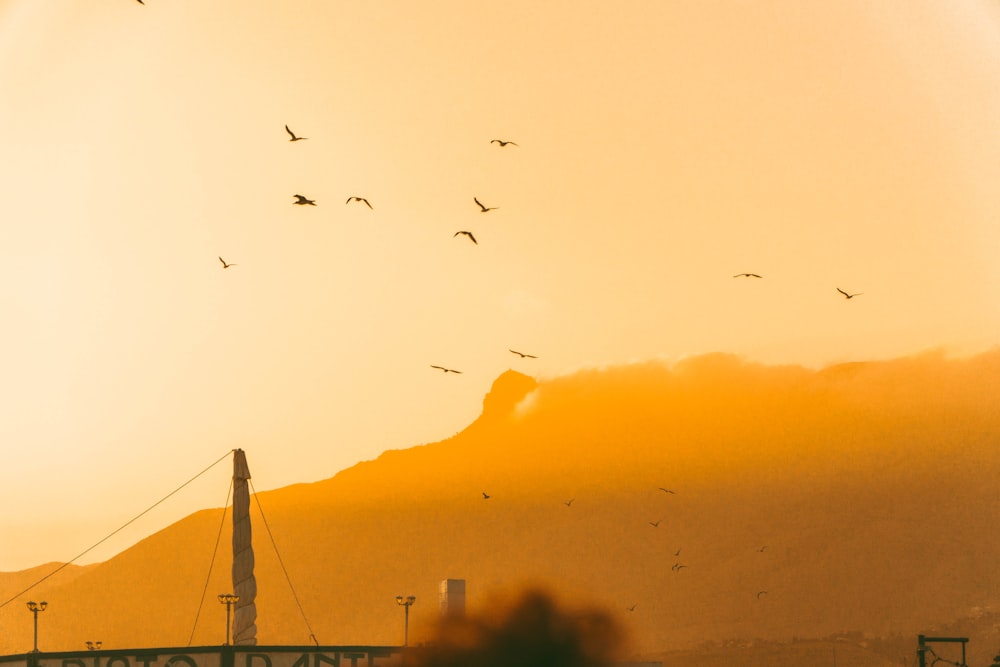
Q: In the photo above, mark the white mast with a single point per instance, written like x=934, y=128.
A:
x=244, y=582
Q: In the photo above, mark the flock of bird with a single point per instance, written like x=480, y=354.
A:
x=678, y=565
x=302, y=200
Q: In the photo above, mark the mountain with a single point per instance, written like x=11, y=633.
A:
x=724, y=500
x=13, y=583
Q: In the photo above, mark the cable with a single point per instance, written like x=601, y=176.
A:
x=113, y=533
x=211, y=564
x=938, y=658
x=274, y=545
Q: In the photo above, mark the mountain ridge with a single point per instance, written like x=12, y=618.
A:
x=861, y=497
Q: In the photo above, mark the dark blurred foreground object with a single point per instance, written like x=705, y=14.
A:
x=532, y=632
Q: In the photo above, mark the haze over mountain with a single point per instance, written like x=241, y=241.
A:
x=718, y=498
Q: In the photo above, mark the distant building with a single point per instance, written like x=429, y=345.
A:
x=452, y=597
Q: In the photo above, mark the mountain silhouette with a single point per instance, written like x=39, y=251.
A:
x=873, y=486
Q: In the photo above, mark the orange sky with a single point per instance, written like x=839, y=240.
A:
x=663, y=147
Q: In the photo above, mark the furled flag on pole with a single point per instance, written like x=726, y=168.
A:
x=244, y=582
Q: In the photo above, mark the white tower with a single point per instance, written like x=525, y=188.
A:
x=453, y=597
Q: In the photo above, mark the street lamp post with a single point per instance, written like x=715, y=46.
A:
x=405, y=603
x=229, y=600
x=35, y=608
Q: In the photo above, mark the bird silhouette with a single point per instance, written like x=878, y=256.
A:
x=678, y=567
x=666, y=490
x=224, y=264
x=655, y=524
x=759, y=593
x=569, y=503
x=502, y=142
x=292, y=135
x=446, y=370
x=360, y=199
x=523, y=355
x=486, y=496
x=748, y=275
x=469, y=234
x=677, y=553
x=483, y=209
x=302, y=201
x=762, y=549
x=632, y=608
x=849, y=296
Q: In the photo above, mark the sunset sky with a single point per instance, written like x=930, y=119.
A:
x=662, y=148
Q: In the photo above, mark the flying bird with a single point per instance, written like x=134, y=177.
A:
x=469, y=234
x=677, y=567
x=762, y=549
x=666, y=490
x=502, y=142
x=446, y=370
x=523, y=355
x=360, y=199
x=632, y=608
x=486, y=496
x=292, y=135
x=759, y=593
x=224, y=264
x=483, y=209
x=569, y=503
x=747, y=275
x=849, y=296
x=655, y=524
x=302, y=201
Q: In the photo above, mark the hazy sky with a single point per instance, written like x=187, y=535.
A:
x=663, y=147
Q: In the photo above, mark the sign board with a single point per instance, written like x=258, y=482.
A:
x=219, y=656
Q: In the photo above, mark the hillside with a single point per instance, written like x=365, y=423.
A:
x=13, y=583
x=861, y=498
